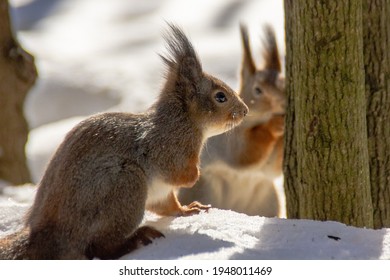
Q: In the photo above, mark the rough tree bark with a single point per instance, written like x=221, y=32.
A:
x=325, y=78
x=17, y=75
x=376, y=38
x=290, y=156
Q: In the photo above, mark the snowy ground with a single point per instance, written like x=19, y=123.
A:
x=96, y=55
x=222, y=235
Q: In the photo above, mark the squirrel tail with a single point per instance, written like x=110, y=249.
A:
x=15, y=246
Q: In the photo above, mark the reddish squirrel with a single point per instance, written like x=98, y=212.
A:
x=113, y=166
x=239, y=167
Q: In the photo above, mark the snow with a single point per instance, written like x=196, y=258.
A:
x=222, y=234
x=227, y=235
x=96, y=55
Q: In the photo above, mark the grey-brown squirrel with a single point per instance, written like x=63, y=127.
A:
x=239, y=167
x=113, y=166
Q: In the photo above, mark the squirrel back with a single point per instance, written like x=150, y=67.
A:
x=239, y=167
x=113, y=166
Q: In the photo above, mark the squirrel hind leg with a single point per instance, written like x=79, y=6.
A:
x=141, y=237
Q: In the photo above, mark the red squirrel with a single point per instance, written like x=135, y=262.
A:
x=239, y=167
x=112, y=166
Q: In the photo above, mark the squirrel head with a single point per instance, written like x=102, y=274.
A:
x=263, y=90
x=210, y=103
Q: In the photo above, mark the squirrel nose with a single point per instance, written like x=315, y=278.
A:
x=242, y=112
x=245, y=110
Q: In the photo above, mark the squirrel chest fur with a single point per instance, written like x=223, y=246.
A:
x=113, y=166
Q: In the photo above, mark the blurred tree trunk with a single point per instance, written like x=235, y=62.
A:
x=325, y=83
x=376, y=32
x=17, y=75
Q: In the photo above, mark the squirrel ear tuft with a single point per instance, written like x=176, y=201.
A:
x=248, y=66
x=189, y=70
x=270, y=50
x=182, y=58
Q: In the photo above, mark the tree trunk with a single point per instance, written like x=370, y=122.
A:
x=17, y=75
x=376, y=32
x=326, y=78
x=290, y=151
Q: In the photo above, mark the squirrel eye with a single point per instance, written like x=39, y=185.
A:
x=258, y=91
x=220, y=97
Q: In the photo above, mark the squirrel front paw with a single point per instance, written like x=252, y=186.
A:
x=193, y=208
x=276, y=125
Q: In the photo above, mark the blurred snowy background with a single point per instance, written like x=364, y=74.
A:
x=98, y=55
